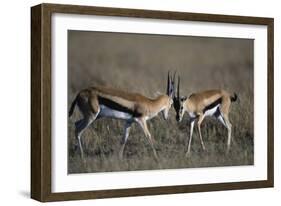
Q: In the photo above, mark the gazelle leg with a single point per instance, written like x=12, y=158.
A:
x=229, y=126
x=78, y=123
x=201, y=118
x=221, y=119
x=225, y=121
x=190, y=136
x=128, y=125
x=224, y=113
x=143, y=124
x=80, y=127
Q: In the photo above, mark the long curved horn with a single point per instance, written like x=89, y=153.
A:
x=174, y=77
x=173, y=92
x=178, y=95
x=168, y=83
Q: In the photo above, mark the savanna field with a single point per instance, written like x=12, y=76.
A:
x=140, y=63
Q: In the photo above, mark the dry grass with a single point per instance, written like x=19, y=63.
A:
x=139, y=63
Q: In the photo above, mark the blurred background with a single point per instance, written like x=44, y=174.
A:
x=140, y=63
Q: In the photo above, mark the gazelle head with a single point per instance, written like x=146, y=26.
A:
x=179, y=102
x=170, y=94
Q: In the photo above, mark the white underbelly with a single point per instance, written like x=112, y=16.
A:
x=211, y=111
x=108, y=112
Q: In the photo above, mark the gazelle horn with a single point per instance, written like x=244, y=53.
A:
x=178, y=95
x=168, y=83
x=173, y=84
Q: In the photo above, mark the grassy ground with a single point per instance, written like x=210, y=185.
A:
x=140, y=63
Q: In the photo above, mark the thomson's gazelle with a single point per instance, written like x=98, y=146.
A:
x=206, y=103
x=98, y=102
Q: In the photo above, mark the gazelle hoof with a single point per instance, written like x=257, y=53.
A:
x=187, y=154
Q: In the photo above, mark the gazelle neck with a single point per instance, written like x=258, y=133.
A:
x=157, y=105
x=159, y=102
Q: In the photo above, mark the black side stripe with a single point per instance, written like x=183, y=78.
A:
x=212, y=105
x=115, y=106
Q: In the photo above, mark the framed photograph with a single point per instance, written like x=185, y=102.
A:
x=132, y=102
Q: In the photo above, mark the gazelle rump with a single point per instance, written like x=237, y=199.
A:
x=206, y=103
x=98, y=102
